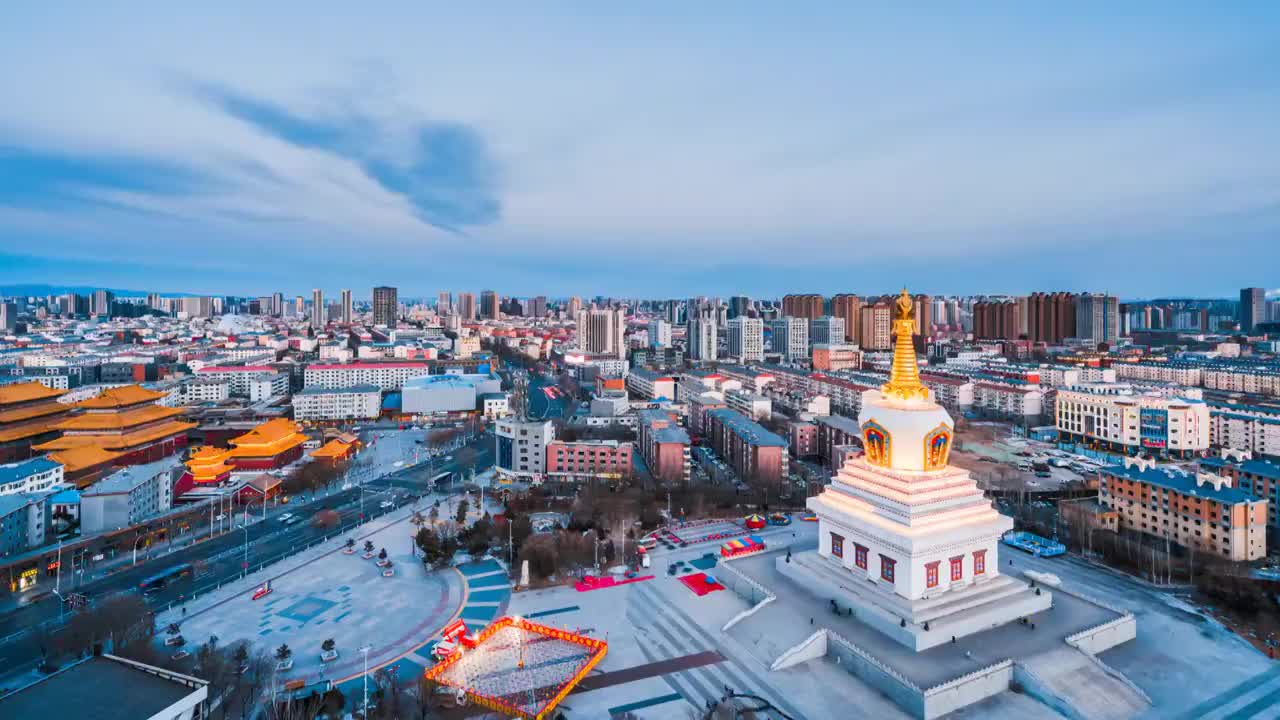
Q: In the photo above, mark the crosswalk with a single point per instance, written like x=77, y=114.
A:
x=664, y=631
x=1257, y=698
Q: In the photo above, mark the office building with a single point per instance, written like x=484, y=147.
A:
x=1097, y=318
x=521, y=448
x=602, y=331
x=746, y=339
x=739, y=306
x=8, y=316
x=1253, y=309
x=317, y=309
x=1115, y=418
x=489, y=305
x=344, y=315
x=790, y=337
x=386, y=307
x=588, y=460
x=831, y=356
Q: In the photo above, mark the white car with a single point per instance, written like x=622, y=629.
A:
x=386, y=504
x=286, y=517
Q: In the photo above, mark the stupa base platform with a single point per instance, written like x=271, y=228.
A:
x=920, y=624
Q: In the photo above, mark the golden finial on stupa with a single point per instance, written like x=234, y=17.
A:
x=904, y=377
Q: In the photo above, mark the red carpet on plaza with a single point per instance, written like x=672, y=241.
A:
x=699, y=585
x=589, y=582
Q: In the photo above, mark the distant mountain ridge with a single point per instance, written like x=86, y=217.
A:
x=41, y=289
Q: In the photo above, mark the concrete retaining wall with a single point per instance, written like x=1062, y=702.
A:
x=967, y=689
x=746, y=588
x=867, y=668
x=1038, y=689
x=811, y=648
x=1105, y=636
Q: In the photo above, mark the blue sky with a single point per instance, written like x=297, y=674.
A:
x=670, y=149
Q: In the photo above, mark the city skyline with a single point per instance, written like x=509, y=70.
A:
x=848, y=148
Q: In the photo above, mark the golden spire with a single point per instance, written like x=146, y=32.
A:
x=904, y=377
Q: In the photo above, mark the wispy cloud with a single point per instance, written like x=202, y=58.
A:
x=444, y=170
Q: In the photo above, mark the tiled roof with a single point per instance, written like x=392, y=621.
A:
x=118, y=421
x=747, y=429
x=124, y=441
x=26, y=392
x=120, y=397
x=32, y=411
x=76, y=459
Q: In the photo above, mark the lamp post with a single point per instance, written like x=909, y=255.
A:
x=366, y=650
x=245, y=528
x=135, y=547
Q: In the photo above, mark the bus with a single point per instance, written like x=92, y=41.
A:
x=441, y=479
x=157, y=582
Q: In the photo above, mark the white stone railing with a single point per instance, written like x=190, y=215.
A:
x=758, y=590
x=873, y=661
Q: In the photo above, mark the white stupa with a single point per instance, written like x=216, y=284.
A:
x=905, y=540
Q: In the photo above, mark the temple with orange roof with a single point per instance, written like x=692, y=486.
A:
x=28, y=413
x=273, y=444
x=334, y=451
x=84, y=466
x=209, y=465
x=124, y=420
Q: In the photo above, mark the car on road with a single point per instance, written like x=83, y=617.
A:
x=292, y=520
x=386, y=504
x=286, y=517
x=448, y=458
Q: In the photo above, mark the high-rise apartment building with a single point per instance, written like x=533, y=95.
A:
x=444, y=303
x=489, y=305
x=790, y=337
x=739, y=305
x=746, y=338
x=465, y=307
x=1253, y=308
x=277, y=304
x=1098, y=318
x=8, y=316
x=602, y=331
x=875, y=325
x=921, y=305
x=317, y=309
x=345, y=314
x=299, y=307
x=386, y=306
x=996, y=319
x=674, y=313
x=1051, y=317
x=659, y=334
x=702, y=335
x=847, y=307
x=573, y=306
x=826, y=330
x=538, y=306
x=804, y=306
x=101, y=304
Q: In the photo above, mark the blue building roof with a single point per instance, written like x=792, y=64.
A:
x=13, y=472
x=1259, y=468
x=746, y=428
x=1180, y=481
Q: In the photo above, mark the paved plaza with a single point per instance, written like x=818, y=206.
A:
x=658, y=633
x=326, y=594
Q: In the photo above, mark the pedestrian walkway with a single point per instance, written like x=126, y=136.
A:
x=1256, y=698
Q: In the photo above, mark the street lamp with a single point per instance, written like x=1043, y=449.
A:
x=141, y=537
x=366, y=650
x=245, y=528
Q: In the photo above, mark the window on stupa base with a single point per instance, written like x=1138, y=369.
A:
x=979, y=562
x=957, y=568
x=886, y=568
x=860, y=556
x=931, y=574
x=837, y=546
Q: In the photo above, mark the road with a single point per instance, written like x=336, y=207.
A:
x=224, y=556
x=543, y=406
